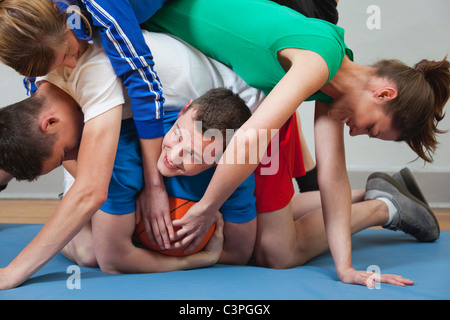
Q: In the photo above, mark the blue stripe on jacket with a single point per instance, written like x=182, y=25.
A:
x=132, y=60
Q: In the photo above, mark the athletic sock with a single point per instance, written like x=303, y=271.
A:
x=308, y=182
x=391, y=208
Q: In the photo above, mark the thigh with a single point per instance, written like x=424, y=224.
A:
x=80, y=249
x=276, y=238
x=112, y=233
x=239, y=242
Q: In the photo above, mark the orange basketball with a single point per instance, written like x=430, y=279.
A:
x=178, y=208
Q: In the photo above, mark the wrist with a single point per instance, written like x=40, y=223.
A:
x=10, y=278
x=344, y=272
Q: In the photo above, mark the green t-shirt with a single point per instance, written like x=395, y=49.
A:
x=247, y=35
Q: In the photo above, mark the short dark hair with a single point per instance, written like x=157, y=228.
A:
x=23, y=145
x=222, y=110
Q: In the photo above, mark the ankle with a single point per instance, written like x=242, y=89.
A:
x=381, y=212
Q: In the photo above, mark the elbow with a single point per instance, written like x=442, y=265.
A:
x=96, y=197
x=92, y=197
x=99, y=198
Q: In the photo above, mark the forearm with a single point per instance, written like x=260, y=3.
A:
x=334, y=186
x=73, y=212
x=151, y=149
x=139, y=260
x=95, y=164
x=336, y=204
x=306, y=75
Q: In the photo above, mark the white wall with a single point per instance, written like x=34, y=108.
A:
x=409, y=31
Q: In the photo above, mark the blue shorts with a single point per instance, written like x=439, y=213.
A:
x=127, y=178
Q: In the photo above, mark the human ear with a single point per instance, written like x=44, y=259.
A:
x=48, y=124
x=386, y=93
x=184, y=108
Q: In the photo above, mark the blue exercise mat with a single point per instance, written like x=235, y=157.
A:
x=427, y=264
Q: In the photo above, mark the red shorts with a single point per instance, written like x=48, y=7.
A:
x=274, y=188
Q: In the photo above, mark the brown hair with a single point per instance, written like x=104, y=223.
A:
x=220, y=109
x=23, y=145
x=423, y=92
x=29, y=32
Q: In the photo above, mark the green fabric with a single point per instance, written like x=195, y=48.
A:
x=246, y=35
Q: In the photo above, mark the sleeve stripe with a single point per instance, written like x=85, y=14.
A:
x=123, y=45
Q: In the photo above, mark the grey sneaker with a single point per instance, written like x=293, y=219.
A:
x=414, y=217
x=406, y=179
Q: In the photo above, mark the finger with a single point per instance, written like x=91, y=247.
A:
x=179, y=223
x=169, y=225
x=194, y=244
x=180, y=233
x=183, y=241
x=149, y=232
x=164, y=235
x=396, y=280
x=157, y=233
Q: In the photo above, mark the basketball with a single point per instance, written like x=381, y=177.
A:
x=178, y=208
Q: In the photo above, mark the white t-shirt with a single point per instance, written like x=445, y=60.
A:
x=93, y=84
x=185, y=73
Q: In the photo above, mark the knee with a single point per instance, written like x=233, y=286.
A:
x=267, y=261
x=268, y=256
x=109, y=263
x=88, y=260
x=83, y=256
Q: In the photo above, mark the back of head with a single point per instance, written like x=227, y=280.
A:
x=423, y=91
x=222, y=110
x=23, y=145
x=29, y=30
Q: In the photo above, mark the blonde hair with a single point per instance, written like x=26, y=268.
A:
x=29, y=32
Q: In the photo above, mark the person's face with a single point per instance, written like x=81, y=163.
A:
x=67, y=125
x=364, y=115
x=184, y=149
x=69, y=52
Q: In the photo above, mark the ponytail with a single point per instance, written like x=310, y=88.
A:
x=418, y=108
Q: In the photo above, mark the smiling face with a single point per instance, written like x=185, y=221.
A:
x=365, y=113
x=184, y=149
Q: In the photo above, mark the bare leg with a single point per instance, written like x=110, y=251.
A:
x=304, y=203
x=80, y=249
x=285, y=242
x=307, y=157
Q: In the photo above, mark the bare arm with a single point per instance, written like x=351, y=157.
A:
x=334, y=185
x=153, y=203
x=307, y=73
x=95, y=163
x=239, y=242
